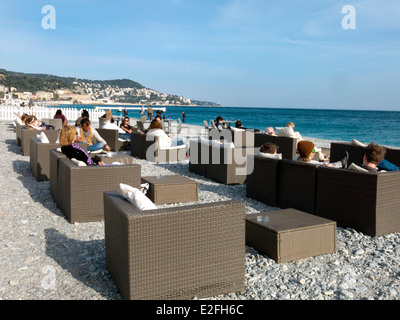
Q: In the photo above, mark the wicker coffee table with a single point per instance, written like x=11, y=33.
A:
x=114, y=157
x=171, y=189
x=289, y=234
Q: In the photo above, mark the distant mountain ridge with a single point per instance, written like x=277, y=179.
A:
x=33, y=82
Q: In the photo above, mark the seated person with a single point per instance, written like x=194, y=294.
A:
x=218, y=123
x=71, y=149
x=112, y=126
x=158, y=118
x=84, y=114
x=31, y=123
x=373, y=156
x=238, y=124
x=59, y=115
x=165, y=141
x=270, y=131
x=86, y=133
x=306, y=151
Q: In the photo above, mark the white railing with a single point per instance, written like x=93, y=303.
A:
x=7, y=112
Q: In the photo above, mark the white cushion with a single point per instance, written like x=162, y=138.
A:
x=237, y=129
x=353, y=166
x=42, y=138
x=78, y=162
x=269, y=155
x=286, y=132
x=358, y=143
x=136, y=197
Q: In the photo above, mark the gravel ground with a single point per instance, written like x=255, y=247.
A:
x=43, y=257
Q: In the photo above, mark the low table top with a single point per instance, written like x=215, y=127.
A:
x=287, y=219
x=168, y=179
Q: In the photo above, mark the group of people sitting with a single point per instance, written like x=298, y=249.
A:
x=373, y=161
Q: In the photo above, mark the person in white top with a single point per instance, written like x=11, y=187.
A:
x=164, y=141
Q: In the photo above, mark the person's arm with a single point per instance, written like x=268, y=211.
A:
x=99, y=138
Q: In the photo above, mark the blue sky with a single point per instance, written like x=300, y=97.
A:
x=257, y=53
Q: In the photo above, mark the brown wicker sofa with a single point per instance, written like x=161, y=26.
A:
x=283, y=183
x=143, y=148
x=220, y=163
x=79, y=190
x=39, y=158
x=174, y=253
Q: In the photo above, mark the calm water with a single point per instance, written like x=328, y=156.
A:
x=382, y=127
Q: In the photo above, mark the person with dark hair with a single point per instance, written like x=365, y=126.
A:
x=218, y=123
x=183, y=117
x=59, y=115
x=87, y=133
x=84, y=114
x=269, y=147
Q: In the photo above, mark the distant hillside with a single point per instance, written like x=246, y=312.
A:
x=46, y=82
x=121, y=90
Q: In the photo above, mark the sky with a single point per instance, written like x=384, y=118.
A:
x=249, y=53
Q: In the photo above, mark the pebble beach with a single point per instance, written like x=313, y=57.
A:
x=43, y=257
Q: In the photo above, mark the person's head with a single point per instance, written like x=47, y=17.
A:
x=126, y=120
x=306, y=150
x=290, y=124
x=30, y=120
x=85, y=114
x=219, y=119
x=58, y=112
x=67, y=135
x=158, y=117
x=270, y=130
x=85, y=124
x=155, y=124
x=269, y=147
x=238, y=123
x=108, y=114
x=374, y=153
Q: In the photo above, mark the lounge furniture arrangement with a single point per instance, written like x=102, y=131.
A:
x=174, y=253
x=143, y=147
x=289, y=234
x=366, y=202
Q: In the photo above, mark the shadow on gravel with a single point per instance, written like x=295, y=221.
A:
x=12, y=146
x=38, y=191
x=84, y=260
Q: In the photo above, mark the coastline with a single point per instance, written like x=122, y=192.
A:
x=38, y=243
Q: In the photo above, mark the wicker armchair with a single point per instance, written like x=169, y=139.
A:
x=18, y=132
x=222, y=164
x=111, y=137
x=174, y=253
x=143, y=148
x=79, y=192
x=367, y=202
x=26, y=136
x=40, y=159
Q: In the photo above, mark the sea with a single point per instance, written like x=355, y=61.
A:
x=381, y=127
